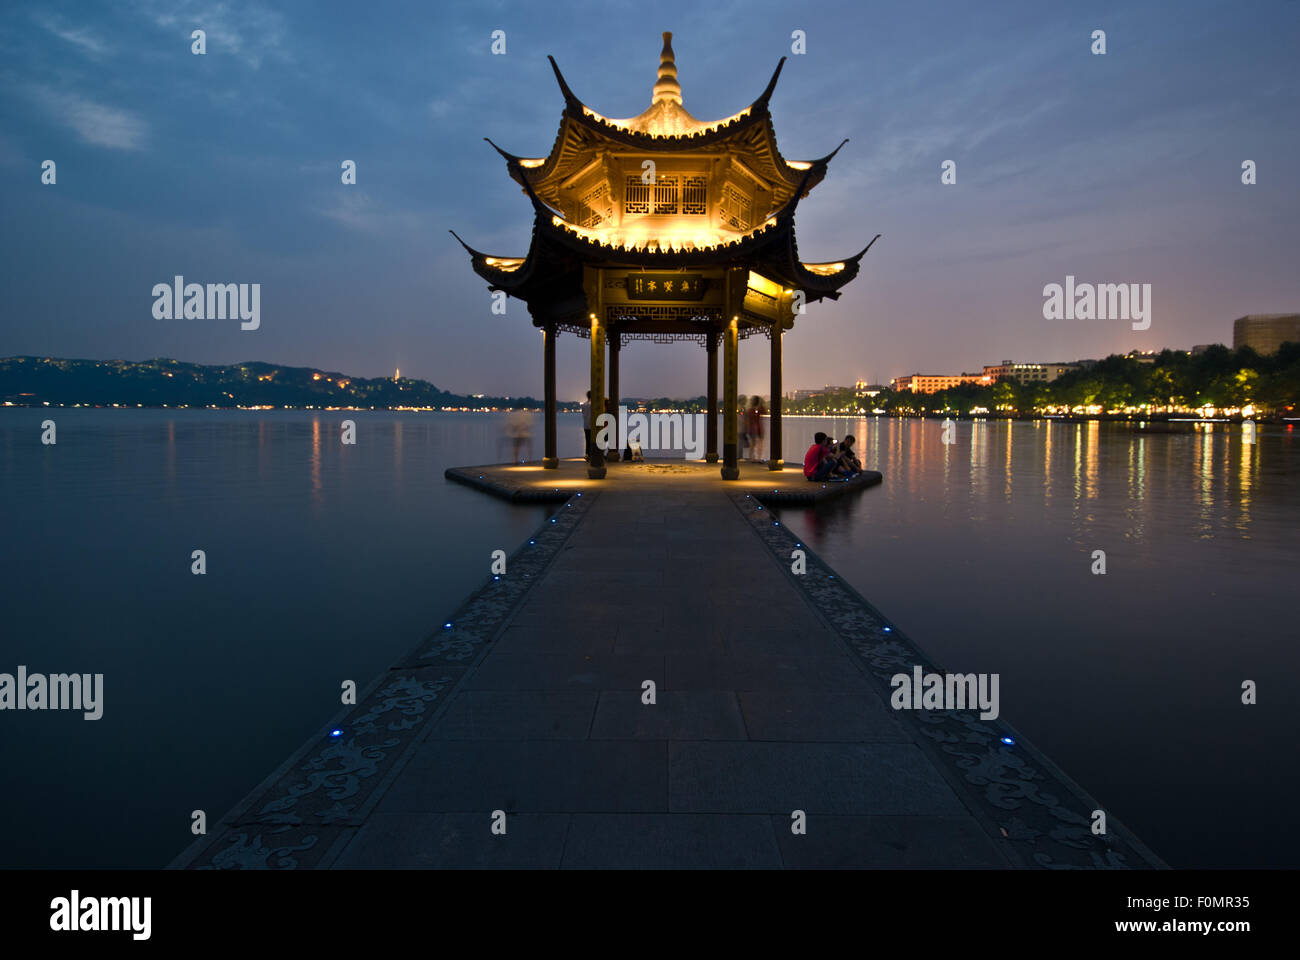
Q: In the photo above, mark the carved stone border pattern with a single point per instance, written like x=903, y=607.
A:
x=1042, y=818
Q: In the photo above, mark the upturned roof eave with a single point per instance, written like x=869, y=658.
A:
x=595, y=124
x=711, y=136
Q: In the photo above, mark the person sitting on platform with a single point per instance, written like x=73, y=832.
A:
x=819, y=463
x=836, y=471
x=847, y=458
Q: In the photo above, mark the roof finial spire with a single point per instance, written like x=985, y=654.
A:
x=666, y=87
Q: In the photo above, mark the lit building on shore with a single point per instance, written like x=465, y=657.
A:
x=1028, y=372
x=1265, y=332
x=933, y=383
x=809, y=394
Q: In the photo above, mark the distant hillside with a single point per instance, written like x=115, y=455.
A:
x=32, y=381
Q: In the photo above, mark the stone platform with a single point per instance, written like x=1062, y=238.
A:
x=532, y=483
x=527, y=709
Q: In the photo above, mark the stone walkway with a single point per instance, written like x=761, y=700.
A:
x=762, y=709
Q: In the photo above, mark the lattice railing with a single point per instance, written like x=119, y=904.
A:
x=691, y=312
x=701, y=337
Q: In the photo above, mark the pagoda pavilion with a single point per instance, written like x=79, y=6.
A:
x=662, y=227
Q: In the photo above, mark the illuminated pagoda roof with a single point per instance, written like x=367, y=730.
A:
x=716, y=194
x=666, y=126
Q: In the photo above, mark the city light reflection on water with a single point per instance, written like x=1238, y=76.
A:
x=1131, y=680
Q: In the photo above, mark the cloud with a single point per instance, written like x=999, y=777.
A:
x=77, y=36
x=95, y=123
x=358, y=211
x=248, y=31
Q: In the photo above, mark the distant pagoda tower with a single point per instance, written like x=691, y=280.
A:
x=663, y=227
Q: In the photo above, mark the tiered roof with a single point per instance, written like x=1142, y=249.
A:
x=550, y=275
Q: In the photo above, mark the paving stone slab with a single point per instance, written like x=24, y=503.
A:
x=822, y=778
x=670, y=840
x=721, y=671
x=876, y=842
x=675, y=715
x=457, y=840
x=807, y=714
x=539, y=776
x=558, y=671
x=522, y=714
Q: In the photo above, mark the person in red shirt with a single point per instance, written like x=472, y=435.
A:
x=816, y=464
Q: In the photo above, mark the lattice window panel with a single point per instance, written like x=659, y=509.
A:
x=736, y=208
x=594, y=207
x=666, y=196
x=695, y=196
x=636, y=196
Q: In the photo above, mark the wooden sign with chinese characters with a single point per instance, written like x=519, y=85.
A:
x=665, y=286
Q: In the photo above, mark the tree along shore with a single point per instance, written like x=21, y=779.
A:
x=37, y=381
x=1239, y=383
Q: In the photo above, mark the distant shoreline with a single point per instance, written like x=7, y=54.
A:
x=165, y=383
x=1183, y=420
x=1216, y=386
x=237, y=408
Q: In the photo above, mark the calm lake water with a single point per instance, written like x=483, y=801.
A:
x=982, y=552
x=327, y=562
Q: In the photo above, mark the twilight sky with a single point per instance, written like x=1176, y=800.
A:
x=226, y=168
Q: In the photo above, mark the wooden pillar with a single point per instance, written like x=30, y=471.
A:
x=549, y=460
x=711, y=421
x=615, y=347
x=736, y=281
x=774, y=461
x=595, y=314
x=730, y=411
